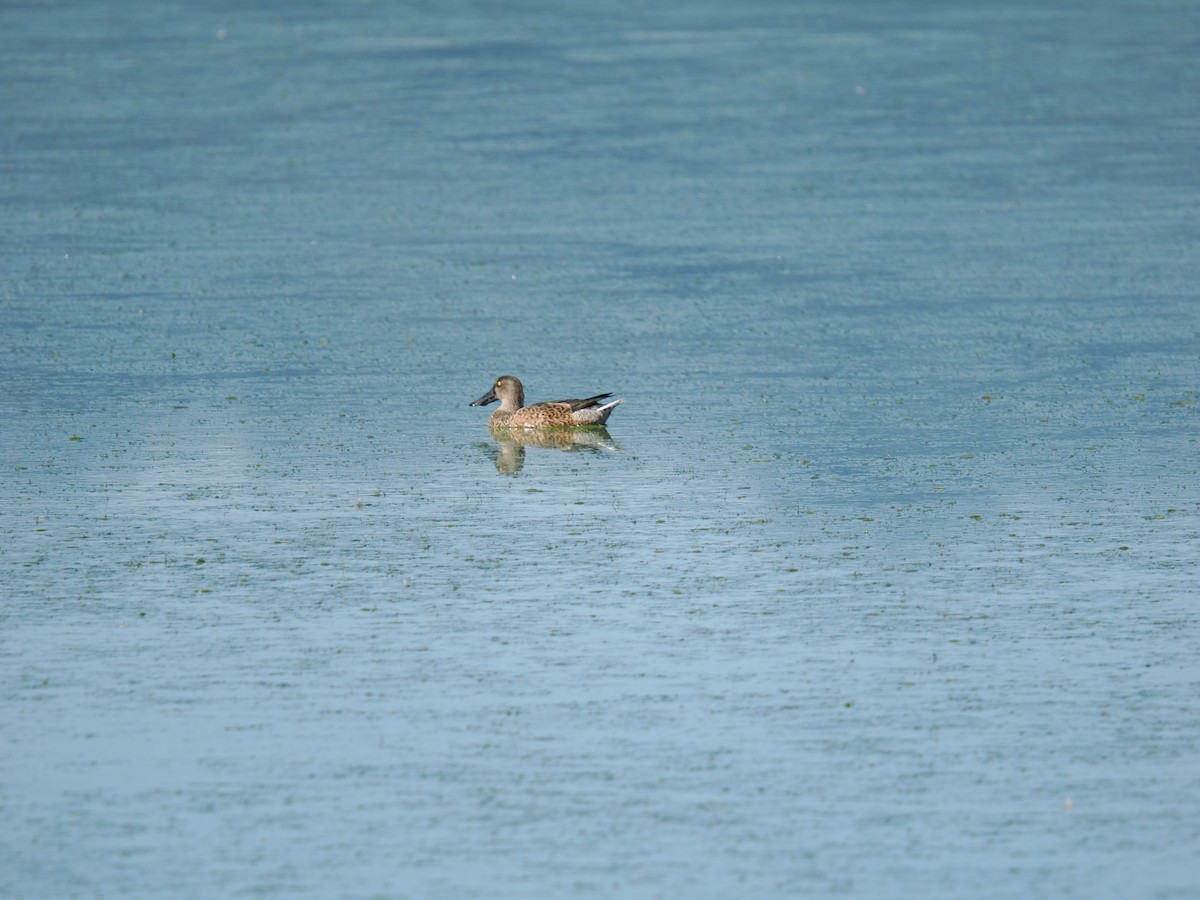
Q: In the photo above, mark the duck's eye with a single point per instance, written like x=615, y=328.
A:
x=499, y=384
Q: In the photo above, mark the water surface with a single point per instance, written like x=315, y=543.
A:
x=883, y=581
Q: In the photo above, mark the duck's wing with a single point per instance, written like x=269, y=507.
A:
x=576, y=405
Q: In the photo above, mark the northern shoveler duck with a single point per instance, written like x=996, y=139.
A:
x=513, y=413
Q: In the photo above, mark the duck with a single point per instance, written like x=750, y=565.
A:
x=513, y=413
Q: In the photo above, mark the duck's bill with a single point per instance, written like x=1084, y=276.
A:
x=489, y=397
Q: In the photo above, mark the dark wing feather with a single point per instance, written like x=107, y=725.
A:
x=577, y=405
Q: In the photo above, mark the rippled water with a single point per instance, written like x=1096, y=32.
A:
x=882, y=582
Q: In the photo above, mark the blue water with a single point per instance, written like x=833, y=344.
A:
x=882, y=583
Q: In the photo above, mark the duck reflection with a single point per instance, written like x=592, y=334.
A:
x=509, y=452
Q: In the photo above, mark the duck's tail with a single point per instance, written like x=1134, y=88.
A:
x=597, y=415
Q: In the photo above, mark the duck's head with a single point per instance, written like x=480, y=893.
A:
x=507, y=390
